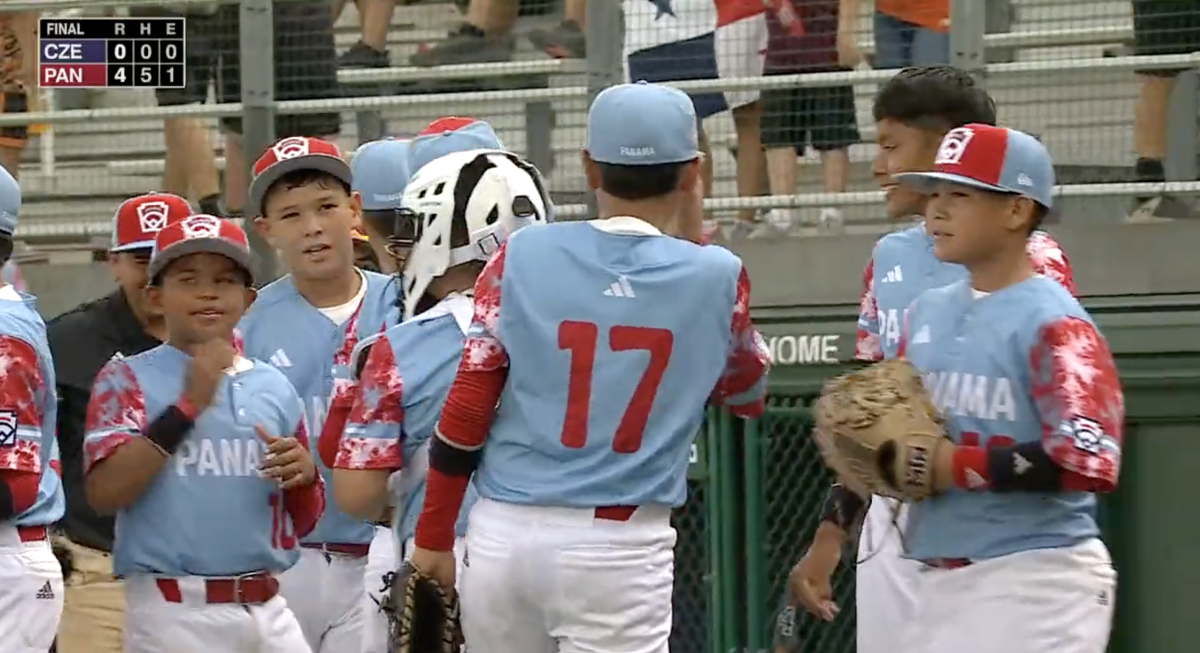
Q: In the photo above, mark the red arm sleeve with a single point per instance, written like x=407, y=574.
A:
x=1050, y=260
x=306, y=503
x=743, y=386
x=22, y=392
x=867, y=346
x=469, y=409
x=23, y=486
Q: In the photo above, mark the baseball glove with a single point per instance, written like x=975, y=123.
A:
x=878, y=430
x=422, y=616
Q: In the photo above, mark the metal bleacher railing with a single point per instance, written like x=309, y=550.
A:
x=563, y=86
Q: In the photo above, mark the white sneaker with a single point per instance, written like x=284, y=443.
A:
x=775, y=223
x=832, y=221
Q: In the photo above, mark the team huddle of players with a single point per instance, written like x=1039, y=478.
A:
x=528, y=391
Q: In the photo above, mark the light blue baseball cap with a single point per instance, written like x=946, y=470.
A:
x=449, y=135
x=642, y=124
x=380, y=172
x=10, y=202
x=991, y=158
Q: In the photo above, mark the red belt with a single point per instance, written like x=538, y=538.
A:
x=948, y=563
x=33, y=533
x=616, y=513
x=250, y=589
x=352, y=550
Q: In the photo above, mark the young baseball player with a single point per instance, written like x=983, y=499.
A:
x=31, y=494
x=913, y=111
x=203, y=456
x=1031, y=399
x=307, y=324
x=449, y=135
x=486, y=196
x=594, y=349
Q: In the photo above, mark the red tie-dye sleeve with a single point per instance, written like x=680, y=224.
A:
x=867, y=346
x=1050, y=260
x=116, y=413
x=306, y=503
x=21, y=390
x=743, y=386
x=1079, y=399
x=372, y=437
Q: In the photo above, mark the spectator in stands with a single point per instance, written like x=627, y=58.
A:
x=911, y=33
x=809, y=36
x=374, y=21
x=1159, y=27
x=18, y=81
x=565, y=41
x=305, y=69
x=191, y=165
x=697, y=39
x=82, y=341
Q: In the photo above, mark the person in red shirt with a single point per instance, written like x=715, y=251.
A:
x=809, y=36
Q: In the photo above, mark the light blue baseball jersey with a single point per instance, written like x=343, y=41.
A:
x=610, y=366
x=903, y=266
x=400, y=396
x=208, y=512
x=28, y=408
x=1023, y=364
x=284, y=329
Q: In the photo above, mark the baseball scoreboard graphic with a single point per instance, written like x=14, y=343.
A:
x=111, y=52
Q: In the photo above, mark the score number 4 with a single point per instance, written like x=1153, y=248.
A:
x=582, y=339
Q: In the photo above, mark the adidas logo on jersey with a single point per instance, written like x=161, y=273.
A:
x=620, y=288
x=894, y=275
x=279, y=359
x=922, y=336
x=47, y=592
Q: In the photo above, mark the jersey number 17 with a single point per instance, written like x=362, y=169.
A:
x=582, y=339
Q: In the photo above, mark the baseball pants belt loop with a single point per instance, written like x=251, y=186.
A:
x=616, y=513
x=351, y=550
x=33, y=533
x=948, y=563
x=248, y=589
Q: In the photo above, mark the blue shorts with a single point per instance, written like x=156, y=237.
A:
x=683, y=60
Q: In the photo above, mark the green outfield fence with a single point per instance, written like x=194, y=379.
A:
x=757, y=487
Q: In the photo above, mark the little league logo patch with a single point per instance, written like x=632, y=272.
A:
x=201, y=226
x=953, y=146
x=153, y=216
x=290, y=148
x=8, y=428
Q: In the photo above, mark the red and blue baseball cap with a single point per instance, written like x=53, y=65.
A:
x=991, y=158
x=449, y=135
x=200, y=234
x=139, y=219
x=292, y=154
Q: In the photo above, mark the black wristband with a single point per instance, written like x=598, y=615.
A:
x=450, y=460
x=1025, y=467
x=7, y=509
x=843, y=508
x=169, y=429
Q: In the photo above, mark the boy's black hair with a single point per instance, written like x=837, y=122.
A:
x=633, y=183
x=937, y=98
x=6, y=247
x=303, y=177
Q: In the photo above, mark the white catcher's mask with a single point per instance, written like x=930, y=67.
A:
x=463, y=206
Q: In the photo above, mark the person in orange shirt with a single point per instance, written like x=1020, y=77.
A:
x=912, y=33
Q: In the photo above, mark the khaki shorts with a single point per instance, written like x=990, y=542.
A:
x=94, y=610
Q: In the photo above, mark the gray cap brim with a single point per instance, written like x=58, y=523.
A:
x=191, y=246
x=319, y=162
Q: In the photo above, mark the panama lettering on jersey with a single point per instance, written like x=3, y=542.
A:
x=903, y=266
x=599, y=381
x=398, y=401
x=315, y=355
x=1023, y=364
x=208, y=513
x=28, y=408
